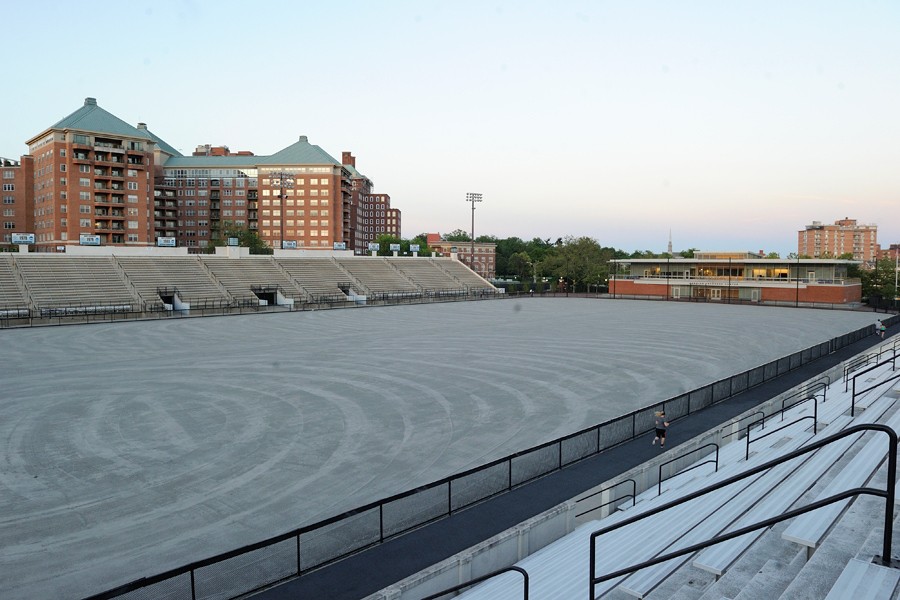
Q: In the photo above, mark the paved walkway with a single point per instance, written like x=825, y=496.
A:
x=381, y=566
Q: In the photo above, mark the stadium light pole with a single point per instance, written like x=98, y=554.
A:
x=473, y=198
x=285, y=180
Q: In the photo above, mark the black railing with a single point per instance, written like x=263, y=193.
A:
x=343, y=535
x=814, y=417
x=632, y=495
x=892, y=360
x=478, y=580
x=693, y=466
x=888, y=494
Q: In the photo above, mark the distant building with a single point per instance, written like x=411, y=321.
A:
x=16, y=195
x=484, y=261
x=371, y=214
x=93, y=178
x=846, y=236
x=738, y=276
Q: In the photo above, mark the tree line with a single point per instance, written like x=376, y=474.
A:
x=580, y=264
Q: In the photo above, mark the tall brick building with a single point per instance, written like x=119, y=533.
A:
x=17, y=197
x=93, y=178
x=372, y=214
x=846, y=236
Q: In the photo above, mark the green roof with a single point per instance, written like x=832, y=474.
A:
x=92, y=118
x=165, y=147
x=233, y=161
x=299, y=153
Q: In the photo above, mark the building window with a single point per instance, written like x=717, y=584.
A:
x=9, y=225
x=132, y=185
x=9, y=187
x=132, y=237
x=84, y=222
x=9, y=212
x=132, y=224
x=84, y=168
x=9, y=199
x=84, y=182
x=62, y=167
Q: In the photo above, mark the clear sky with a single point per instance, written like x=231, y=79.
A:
x=732, y=124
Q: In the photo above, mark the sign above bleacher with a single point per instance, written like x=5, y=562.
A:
x=232, y=241
x=86, y=239
x=413, y=247
x=374, y=247
x=289, y=244
x=22, y=238
x=340, y=245
x=395, y=247
x=165, y=242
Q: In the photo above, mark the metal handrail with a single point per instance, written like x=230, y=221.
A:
x=740, y=429
x=784, y=409
x=814, y=417
x=472, y=582
x=888, y=494
x=632, y=495
x=892, y=360
x=694, y=466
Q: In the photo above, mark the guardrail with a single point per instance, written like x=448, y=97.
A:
x=478, y=580
x=889, y=493
x=632, y=495
x=323, y=543
x=892, y=360
x=693, y=466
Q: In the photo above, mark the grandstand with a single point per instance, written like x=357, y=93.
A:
x=655, y=541
x=36, y=287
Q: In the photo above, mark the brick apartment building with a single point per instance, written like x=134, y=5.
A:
x=17, y=193
x=93, y=178
x=483, y=262
x=371, y=214
x=845, y=236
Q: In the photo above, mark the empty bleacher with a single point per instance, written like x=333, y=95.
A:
x=70, y=285
x=187, y=275
x=378, y=276
x=461, y=273
x=321, y=278
x=428, y=276
x=772, y=562
x=12, y=301
x=240, y=277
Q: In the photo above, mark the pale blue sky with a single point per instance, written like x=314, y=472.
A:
x=733, y=124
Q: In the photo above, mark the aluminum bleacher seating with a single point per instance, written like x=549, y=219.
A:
x=559, y=570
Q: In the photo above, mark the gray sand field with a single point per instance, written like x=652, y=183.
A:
x=132, y=448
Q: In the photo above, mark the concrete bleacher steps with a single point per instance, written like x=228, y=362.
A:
x=864, y=580
x=186, y=274
x=75, y=283
x=238, y=277
x=765, y=564
x=377, y=275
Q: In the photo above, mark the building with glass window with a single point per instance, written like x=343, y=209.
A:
x=91, y=178
x=16, y=194
x=737, y=276
x=846, y=236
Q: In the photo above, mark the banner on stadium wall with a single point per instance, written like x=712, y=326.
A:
x=289, y=245
x=413, y=247
x=22, y=238
x=395, y=247
x=86, y=239
x=165, y=242
x=374, y=247
x=340, y=245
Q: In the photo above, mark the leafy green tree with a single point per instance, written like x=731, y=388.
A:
x=773, y=255
x=519, y=264
x=878, y=282
x=458, y=235
x=247, y=238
